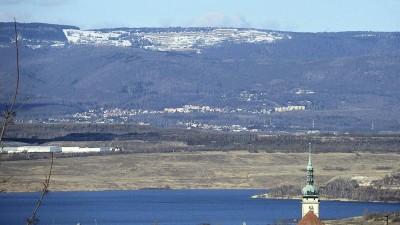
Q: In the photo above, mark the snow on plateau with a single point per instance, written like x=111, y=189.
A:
x=195, y=40
x=96, y=37
x=184, y=40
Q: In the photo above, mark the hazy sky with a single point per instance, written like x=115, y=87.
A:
x=288, y=15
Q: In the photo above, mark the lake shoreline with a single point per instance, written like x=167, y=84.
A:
x=265, y=196
x=256, y=196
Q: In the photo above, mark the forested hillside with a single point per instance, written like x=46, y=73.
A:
x=346, y=81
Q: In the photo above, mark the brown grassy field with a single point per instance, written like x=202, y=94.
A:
x=359, y=221
x=197, y=170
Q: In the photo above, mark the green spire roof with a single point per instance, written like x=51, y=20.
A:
x=310, y=189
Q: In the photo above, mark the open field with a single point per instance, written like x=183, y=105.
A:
x=198, y=170
x=359, y=221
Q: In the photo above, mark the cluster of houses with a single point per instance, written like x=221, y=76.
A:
x=118, y=115
x=290, y=108
x=233, y=128
x=193, y=108
x=55, y=149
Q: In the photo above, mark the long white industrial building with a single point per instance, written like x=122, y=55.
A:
x=82, y=150
x=55, y=149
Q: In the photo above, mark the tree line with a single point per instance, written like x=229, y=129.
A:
x=192, y=140
x=345, y=188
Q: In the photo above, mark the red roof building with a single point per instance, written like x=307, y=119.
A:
x=310, y=219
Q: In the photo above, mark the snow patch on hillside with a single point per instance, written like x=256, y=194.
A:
x=185, y=40
x=364, y=181
x=96, y=37
x=195, y=40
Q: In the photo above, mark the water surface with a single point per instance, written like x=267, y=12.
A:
x=168, y=207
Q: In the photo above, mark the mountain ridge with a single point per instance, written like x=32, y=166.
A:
x=128, y=34
x=345, y=81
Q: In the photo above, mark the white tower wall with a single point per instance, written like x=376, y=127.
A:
x=310, y=204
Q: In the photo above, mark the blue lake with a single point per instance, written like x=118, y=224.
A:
x=169, y=207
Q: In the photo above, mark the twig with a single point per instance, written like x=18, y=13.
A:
x=10, y=112
x=45, y=190
x=5, y=181
x=17, y=50
x=8, y=116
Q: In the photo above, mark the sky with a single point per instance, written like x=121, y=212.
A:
x=283, y=15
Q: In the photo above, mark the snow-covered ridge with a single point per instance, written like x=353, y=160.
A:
x=96, y=37
x=183, y=40
x=192, y=40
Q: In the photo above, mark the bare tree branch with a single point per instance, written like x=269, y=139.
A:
x=45, y=190
x=5, y=181
x=8, y=116
x=10, y=113
x=17, y=50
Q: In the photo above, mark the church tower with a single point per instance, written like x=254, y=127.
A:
x=310, y=200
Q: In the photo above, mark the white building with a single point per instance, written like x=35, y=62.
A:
x=10, y=150
x=30, y=149
x=55, y=149
x=84, y=150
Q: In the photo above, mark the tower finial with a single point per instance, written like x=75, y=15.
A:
x=309, y=155
x=310, y=168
